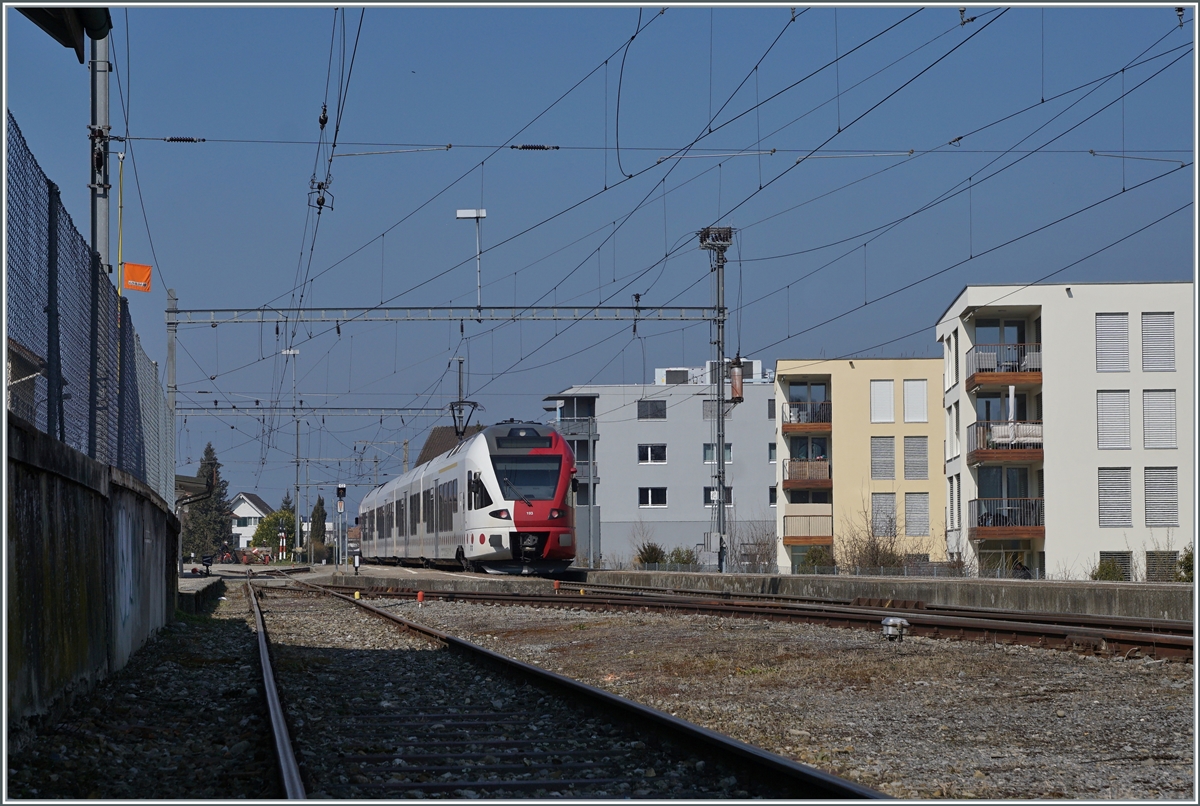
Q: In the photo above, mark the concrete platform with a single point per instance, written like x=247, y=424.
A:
x=1126, y=599
x=198, y=592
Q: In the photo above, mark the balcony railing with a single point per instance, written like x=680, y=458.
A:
x=1004, y=358
x=1006, y=512
x=800, y=413
x=808, y=525
x=804, y=470
x=1004, y=435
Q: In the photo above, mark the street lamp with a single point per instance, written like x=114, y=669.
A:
x=296, y=500
x=478, y=215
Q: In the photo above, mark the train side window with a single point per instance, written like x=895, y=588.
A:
x=401, y=521
x=414, y=513
x=478, y=497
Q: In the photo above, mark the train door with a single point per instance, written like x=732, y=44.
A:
x=414, y=523
x=429, y=507
x=401, y=523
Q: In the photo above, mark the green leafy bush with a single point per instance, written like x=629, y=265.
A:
x=1108, y=571
x=683, y=556
x=1184, y=572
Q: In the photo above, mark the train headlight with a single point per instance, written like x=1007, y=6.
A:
x=555, y=513
x=502, y=514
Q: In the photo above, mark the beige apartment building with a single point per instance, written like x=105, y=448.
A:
x=860, y=449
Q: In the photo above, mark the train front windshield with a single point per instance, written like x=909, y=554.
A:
x=530, y=477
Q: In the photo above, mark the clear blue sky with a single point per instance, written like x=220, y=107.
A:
x=231, y=226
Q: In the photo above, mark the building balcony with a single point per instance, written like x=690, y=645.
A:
x=800, y=474
x=1006, y=518
x=1004, y=365
x=808, y=418
x=1005, y=441
x=807, y=530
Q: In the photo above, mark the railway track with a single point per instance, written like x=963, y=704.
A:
x=1155, y=638
x=411, y=712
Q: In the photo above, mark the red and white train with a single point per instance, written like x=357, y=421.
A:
x=501, y=500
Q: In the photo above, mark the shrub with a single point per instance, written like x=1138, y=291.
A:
x=1108, y=571
x=683, y=556
x=1184, y=571
x=818, y=557
x=650, y=552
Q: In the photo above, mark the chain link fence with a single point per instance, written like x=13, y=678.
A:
x=75, y=367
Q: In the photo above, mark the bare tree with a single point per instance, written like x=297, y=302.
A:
x=869, y=539
x=754, y=546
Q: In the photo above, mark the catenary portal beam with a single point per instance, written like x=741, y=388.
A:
x=602, y=313
x=330, y=411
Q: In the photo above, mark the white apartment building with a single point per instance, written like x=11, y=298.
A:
x=1070, y=423
x=654, y=448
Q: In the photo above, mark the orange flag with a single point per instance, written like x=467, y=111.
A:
x=137, y=276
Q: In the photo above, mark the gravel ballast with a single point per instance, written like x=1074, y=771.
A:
x=920, y=718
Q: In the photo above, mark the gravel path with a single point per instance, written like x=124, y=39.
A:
x=919, y=719
x=922, y=718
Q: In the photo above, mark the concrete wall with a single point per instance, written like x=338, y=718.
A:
x=1131, y=599
x=89, y=568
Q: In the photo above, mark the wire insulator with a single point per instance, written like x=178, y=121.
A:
x=533, y=147
x=184, y=139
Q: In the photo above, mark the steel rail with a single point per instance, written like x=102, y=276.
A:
x=1170, y=626
x=289, y=769
x=921, y=622
x=804, y=781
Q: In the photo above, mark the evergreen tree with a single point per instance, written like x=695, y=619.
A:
x=317, y=523
x=286, y=505
x=208, y=522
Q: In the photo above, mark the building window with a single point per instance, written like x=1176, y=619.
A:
x=1112, y=342
x=1122, y=559
x=1162, y=496
x=652, y=454
x=1112, y=420
x=770, y=408
x=652, y=496
x=883, y=457
x=583, y=495
x=772, y=494
x=771, y=452
x=710, y=453
x=1158, y=418
x=710, y=496
x=577, y=408
x=916, y=401
x=916, y=458
x=652, y=409
x=581, y=449
x=883, y=402
x=710, y=410
x=1158, y=342
x=1161, y=566
x=883, y=514
x=957, y=426
x=916, y=514
x=1116, y=497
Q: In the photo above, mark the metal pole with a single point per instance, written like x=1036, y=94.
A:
x=478, y=275
x=100, y=68
x=593, y=532
x=721, y=405
x=172, y=329
x=296, y=498
x=54, y=425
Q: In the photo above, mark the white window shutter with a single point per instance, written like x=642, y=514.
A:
x=1158, y=342
x=1112, y=420
x=1116, y=497
x=883, y=457
x=1162, y=496
x=916, y=458
x=1158, y=418
x=916, y=514
x=883, y=402
x=1112, y=342
x=916, y=407
x=883, y=513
